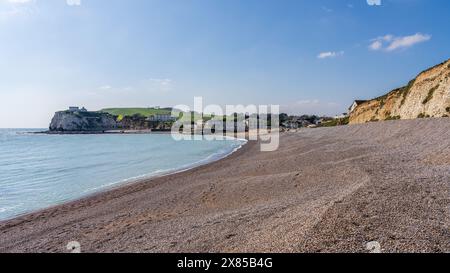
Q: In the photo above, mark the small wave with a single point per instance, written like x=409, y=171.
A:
x=158, y=173
x=7, y=208
x=42, y=172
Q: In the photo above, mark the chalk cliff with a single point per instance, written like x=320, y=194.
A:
x=67, y=121
x=428, y=95
x=79, y=121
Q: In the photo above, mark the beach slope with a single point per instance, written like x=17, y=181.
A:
x=324, y=190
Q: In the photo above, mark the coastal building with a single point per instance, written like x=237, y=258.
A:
x=355, y=104
x=77, y=109
x=295, y=122
x=344, y=115
x=161, y=117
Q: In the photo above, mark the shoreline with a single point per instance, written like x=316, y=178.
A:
x=236, y=135
x=107, y=132
x=324, y=190
x=145, y=178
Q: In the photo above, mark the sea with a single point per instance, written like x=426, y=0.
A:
x=38, y=171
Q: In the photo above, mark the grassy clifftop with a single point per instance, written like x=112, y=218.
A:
x=132, y=111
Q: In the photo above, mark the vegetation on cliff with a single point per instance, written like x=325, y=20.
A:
x=428, y=95
x=146, y=112
x=77, y=120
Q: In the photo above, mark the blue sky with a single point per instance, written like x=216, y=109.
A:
x=307, y=56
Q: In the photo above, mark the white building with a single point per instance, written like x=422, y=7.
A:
x=161, y=117
x=344, y=115
x=355, y=104
x=77, y=109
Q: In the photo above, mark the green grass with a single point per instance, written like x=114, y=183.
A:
x=336, y=122
x=404, y=91
x=146, y=112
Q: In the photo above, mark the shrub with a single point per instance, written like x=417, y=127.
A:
x=423, y=115
x=393, y=118
x=405, y=91
x=430, y=94
x=447, y=109
x=336, y=122
x=331, y=123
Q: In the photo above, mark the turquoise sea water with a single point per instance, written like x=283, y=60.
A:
x=39, y=171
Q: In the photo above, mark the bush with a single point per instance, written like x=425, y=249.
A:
x=430, y=94
x=336, y=122
x=393, y=118
x=405, y=91
x=423, y=115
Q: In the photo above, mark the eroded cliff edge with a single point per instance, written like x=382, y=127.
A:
x=67, y=121
x=83, y=121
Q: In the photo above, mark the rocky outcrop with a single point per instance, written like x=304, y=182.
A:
x=135, y=122
x=67, y=121
x=74, y=122
x=428, y=95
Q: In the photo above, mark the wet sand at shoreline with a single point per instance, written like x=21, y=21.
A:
x=324, y=190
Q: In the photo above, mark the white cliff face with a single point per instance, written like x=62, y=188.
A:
x=430, y=94
x=426, y=96
x=82, y=121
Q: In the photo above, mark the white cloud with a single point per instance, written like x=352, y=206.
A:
x=17, y=8
x=105, y=87
x=330, y=54
x=161, y=82
x=69, y=2
x=73, y=2
x=147, y=86
x=374, y=2
x=19, y=1
x=376, y=45
x=408, y=41
x=390, y=43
